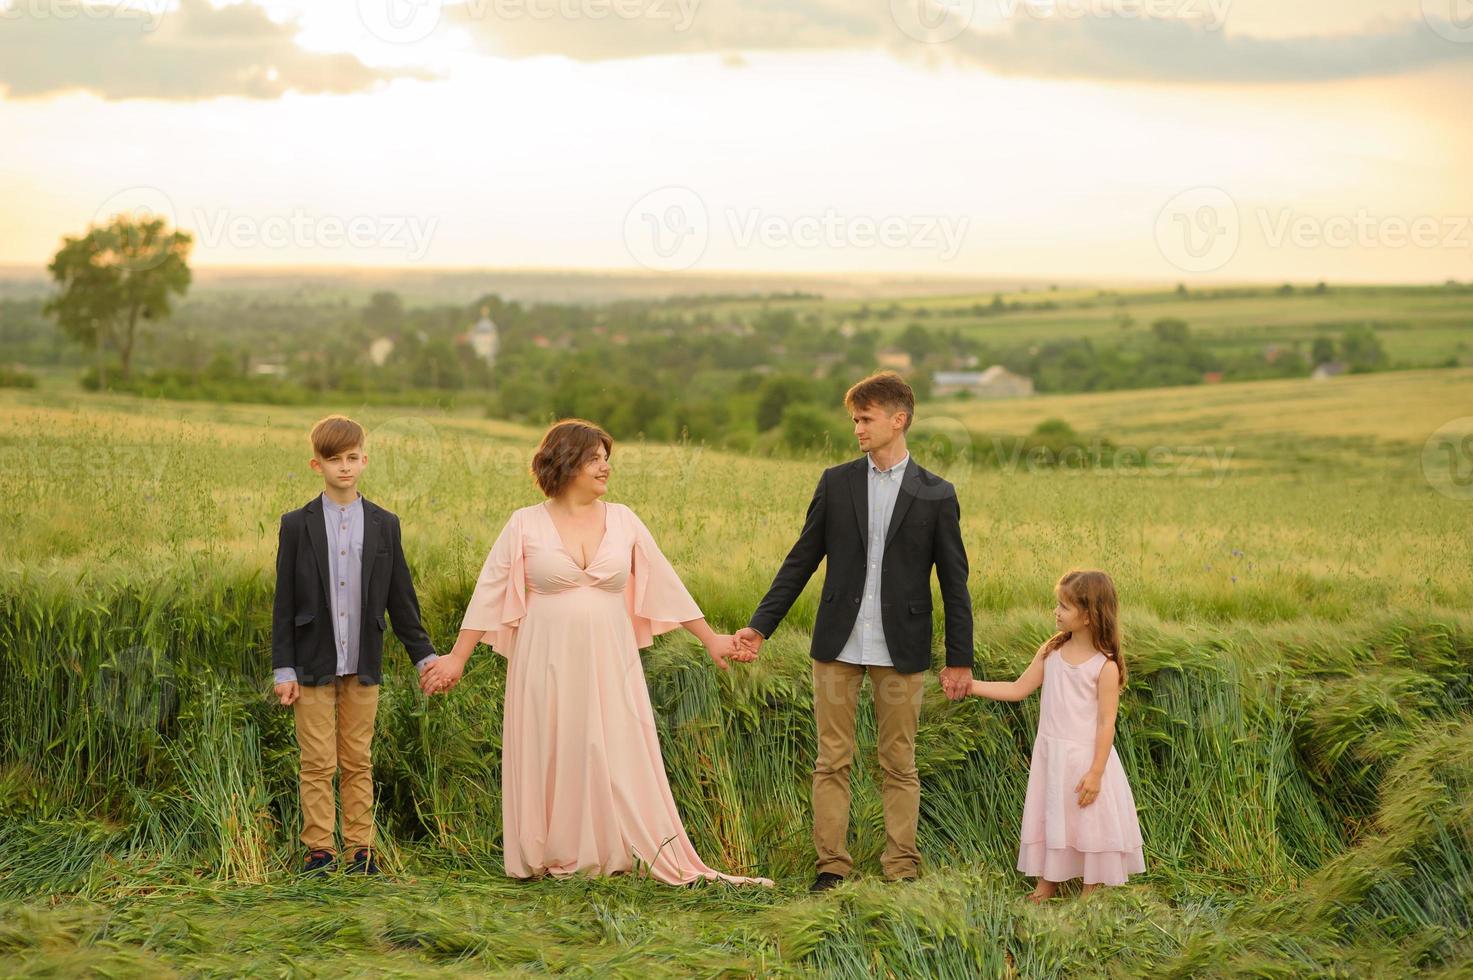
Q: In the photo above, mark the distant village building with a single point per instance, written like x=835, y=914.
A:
x=379, y=351
x=269, y=369
x=996, y=382
x=1212, y=377
x=1327, y=370
x=484, y=338
x=823, y=363
x=894, y=360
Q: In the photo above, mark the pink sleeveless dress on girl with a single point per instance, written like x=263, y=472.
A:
x=1062, y=840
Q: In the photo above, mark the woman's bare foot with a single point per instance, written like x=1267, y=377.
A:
x=1043, y=892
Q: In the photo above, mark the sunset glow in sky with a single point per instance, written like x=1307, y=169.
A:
x=1191, y=139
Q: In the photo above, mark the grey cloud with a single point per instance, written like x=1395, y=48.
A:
x=193, y=52
x=1177, y=51
x=596, y=30
x=1098, y=46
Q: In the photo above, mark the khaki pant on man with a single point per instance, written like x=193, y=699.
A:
x=335, y=734
x=897, y=700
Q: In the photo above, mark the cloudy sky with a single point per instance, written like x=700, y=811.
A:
x=1139, y=139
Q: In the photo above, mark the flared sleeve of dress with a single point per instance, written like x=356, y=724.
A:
x=658, y=601
x=499, y=601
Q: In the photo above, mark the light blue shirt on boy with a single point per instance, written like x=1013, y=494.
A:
x=866, y=645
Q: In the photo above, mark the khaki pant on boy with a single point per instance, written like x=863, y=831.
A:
x=897, y=700
x=335, y=734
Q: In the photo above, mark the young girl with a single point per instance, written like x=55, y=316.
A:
x=1088, y=831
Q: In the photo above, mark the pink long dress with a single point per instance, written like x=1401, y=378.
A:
x=1061, y=839
x=584, y=789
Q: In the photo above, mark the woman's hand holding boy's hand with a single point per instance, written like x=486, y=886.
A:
x=442, y=675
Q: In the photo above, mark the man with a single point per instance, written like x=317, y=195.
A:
x=883, y=522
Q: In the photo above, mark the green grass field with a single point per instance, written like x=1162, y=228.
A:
x=1417, y=325
x=1296, y=575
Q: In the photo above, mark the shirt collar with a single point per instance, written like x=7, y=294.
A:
x=897, y=470
x=328, y=502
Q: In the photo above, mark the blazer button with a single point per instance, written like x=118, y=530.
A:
x=856, y=600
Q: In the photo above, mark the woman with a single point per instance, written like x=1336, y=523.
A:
x=571, y=590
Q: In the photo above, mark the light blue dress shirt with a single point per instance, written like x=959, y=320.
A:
x=866, y=644
x=344, y=525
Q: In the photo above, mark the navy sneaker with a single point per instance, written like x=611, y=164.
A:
x=363, y=863
x=317, y=863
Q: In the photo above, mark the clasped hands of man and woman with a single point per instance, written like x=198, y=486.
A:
x=739, y=647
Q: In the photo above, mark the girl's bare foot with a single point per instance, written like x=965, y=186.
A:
x=1043, y=892
x=1088, y=889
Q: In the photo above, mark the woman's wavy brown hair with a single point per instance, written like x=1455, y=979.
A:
x=564, y=449
x=1092, y=591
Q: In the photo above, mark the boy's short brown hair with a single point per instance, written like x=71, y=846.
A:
x=565, y=447
x=886, y=389
x=335, y=434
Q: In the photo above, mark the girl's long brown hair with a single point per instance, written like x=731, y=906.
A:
x=1091, y=591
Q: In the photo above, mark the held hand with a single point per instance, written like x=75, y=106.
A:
x=956, y=682
x=442, y=675
x=749, y=641
x=287, y=692
x=1088, y=788
x=722, y=646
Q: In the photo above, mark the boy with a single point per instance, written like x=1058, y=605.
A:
x=881, y=523
x=339, y=564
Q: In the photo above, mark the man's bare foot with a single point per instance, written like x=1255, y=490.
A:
x=1045, y=891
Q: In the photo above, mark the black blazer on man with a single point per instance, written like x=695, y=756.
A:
x=925, y=530
x=301, y=622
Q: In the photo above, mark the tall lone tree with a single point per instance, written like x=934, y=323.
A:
x=114, y=277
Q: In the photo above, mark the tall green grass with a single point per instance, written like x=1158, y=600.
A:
x=1298, y=729
x=1294, y=789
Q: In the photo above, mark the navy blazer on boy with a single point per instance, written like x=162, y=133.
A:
x=306, y=636
x=924, y=531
